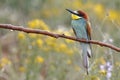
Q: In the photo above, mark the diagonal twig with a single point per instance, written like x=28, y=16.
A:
x=55, y=35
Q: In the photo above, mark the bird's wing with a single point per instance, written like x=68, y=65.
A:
x=88, y=30
x=79, y=28
x=74, y=31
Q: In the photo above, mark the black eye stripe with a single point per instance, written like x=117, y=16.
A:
x=80, y=14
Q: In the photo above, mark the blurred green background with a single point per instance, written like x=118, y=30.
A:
x=37, y=57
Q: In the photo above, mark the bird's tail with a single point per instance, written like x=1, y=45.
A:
x=86, y=54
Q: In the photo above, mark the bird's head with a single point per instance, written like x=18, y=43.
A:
x=78, y=14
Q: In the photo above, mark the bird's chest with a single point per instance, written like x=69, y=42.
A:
x=79, y=27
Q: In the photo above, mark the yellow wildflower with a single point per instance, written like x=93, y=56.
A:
x=33, y=35
x=95, y=78
x=113, y=14
x=22, y=69
x=103, y=72
x=99, y=10
x=34, y=23
x=69, y=51
x=62, y=46
x=39, y=59
x=69, y=32
x=51, y=41
x=4, y=61
x=43, y=25
x=21, y=35
x=37, y=23
x=102, y=60
x=39, y=42
x=69, y=41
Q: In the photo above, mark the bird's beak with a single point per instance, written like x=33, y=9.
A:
x=72, y=12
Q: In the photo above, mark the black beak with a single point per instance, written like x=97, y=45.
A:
x=72, y=12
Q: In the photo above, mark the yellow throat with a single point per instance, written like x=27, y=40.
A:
x=74, y=17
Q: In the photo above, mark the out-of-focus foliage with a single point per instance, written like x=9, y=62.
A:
x=37, y=57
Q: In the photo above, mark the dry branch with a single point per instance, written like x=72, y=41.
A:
x=38, y=31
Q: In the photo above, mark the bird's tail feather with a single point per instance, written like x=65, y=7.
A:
x=90, y=47
x=86, y=54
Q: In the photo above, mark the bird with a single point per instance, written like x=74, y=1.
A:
x=82, y=29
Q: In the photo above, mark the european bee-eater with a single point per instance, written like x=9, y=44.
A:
x=82, y=29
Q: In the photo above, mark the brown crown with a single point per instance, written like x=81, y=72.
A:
x=83, y=14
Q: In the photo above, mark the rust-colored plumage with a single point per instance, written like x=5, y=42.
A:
x=83, y=14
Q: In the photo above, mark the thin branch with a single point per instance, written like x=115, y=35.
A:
x=43, y=32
